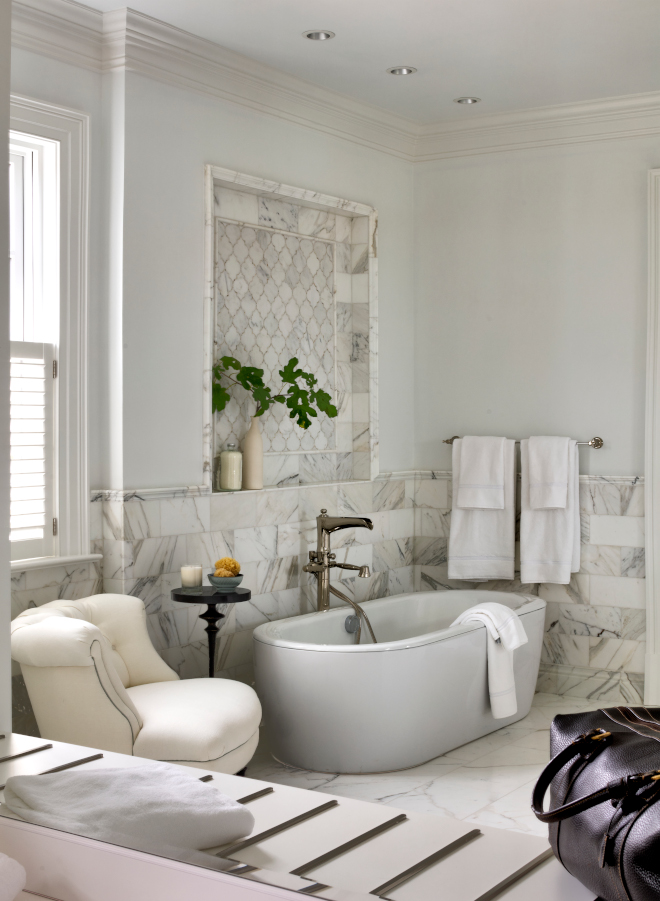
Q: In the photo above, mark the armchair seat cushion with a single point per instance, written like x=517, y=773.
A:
x=195, y=720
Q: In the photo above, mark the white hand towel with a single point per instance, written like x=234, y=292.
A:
x=550, y=539
x=504, y=624
x=482, y=542
x=158, y=808
x=481, y=483
x=12, y=878
x=548, y=472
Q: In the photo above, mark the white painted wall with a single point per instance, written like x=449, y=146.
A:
x=531, y=299
x=529, y=271
x=5, y=597
x=170, y=135
x=146, y=327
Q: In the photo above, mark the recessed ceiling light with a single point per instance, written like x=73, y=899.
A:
x=316, y=35
x=401, y=70
x=468, y=100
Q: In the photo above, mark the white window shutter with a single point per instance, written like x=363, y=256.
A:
x=32, y=436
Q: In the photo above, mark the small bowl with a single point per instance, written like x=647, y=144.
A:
x=225, y=584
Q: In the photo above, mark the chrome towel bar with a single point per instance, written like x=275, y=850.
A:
x=596, y=443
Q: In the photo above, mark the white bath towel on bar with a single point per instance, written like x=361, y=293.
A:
x=158, y=808
x=505, y=633
x=482, y=542
x=481, y=482
x=548, y=472
x=550, y=539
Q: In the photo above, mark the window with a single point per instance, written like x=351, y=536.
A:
x=49, y=233
x=34, y=327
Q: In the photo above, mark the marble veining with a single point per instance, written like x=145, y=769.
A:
x=275, y=300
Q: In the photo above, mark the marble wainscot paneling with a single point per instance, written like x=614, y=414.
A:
x=595, y=627
x=147, y=536
x=287, y=279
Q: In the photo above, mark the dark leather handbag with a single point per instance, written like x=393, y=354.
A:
x=604, y=780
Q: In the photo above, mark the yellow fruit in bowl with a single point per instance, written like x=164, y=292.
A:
x=232, y=567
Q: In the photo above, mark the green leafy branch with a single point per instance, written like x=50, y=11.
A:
x=303, y=400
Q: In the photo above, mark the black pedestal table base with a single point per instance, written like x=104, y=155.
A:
x=210, y=596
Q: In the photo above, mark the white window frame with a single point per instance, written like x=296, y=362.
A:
x=71, y=129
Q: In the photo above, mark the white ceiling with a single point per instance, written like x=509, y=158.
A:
x=514, y=54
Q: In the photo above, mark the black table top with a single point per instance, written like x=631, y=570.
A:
x=209, y=594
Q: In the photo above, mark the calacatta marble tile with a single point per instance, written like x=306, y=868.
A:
x=181, y=516
x=389, y=495
x=252, y=545
x=633, y=562
x=600, y=560
x=317, y=223
x=511, y=812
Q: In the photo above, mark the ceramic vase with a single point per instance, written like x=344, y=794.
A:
x=253, y=457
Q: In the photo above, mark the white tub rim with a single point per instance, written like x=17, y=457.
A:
x=266, y=632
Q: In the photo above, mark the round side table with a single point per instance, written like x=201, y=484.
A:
x=207, y=594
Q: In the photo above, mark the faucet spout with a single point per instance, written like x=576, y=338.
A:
x=335, y=523
x=322, y=560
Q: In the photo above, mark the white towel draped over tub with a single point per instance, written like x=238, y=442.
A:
x=482, y=540
x=550, y=538
x=158, y=808
x=505, y=633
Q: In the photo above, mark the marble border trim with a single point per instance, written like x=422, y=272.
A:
x=21, y=566
x=98, y=495
x=143, y=494
x=446, y=474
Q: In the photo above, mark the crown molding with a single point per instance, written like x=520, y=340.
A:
x=635, y=115
x=128, y=40
x=60, y=29
x=144, y=45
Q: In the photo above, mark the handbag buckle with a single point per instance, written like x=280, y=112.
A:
x=598, y=735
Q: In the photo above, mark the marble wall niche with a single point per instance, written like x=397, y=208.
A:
x=594, y=644
x=291, y=279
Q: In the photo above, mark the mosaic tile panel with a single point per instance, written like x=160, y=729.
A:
x=275, y=300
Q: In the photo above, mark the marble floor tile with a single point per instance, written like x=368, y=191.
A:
x=488, y=781
x=511, y=812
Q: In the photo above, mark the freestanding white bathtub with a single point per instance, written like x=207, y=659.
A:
x=336, y=707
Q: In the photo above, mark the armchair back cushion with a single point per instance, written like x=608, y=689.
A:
x=43, y=637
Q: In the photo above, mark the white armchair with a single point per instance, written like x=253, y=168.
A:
x=95, y=679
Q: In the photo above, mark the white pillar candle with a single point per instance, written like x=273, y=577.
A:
x=191, y=575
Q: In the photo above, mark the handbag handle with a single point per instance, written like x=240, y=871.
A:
x=585, y=746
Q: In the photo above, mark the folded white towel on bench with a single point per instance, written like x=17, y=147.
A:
x=158, y=808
